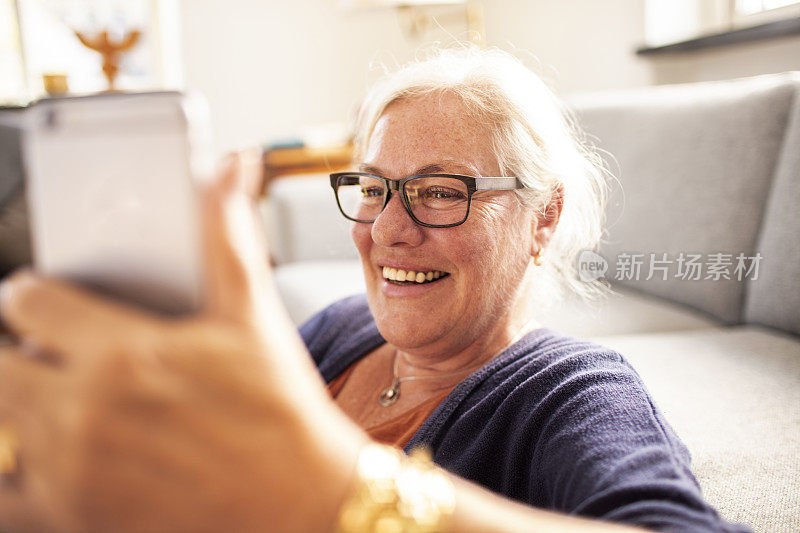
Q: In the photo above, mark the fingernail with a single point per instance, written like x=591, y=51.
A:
x=12, y=282
x=252, y=170
x=227, y=161
x=251, y=154
x=5, y=290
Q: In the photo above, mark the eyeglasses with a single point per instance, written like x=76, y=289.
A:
x=432, y=200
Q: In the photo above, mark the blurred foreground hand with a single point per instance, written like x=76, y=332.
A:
x=129, y=422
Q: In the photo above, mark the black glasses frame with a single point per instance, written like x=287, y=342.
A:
x=473, y=184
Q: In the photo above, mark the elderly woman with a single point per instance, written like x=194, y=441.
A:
x=471, y=200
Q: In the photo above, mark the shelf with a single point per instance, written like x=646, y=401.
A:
x=770, y=30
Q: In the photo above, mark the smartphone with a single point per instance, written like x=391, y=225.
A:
x=112, y=186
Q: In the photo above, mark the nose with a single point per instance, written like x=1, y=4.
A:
x=395, y=227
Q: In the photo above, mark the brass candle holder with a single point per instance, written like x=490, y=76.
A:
x=110, y=50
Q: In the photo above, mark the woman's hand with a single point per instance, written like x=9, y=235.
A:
x=129, y=422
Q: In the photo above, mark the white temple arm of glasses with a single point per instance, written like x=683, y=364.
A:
x=497, y=183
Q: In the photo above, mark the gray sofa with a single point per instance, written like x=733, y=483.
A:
x=708, y=169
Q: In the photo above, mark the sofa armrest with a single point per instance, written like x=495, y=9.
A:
x=303, y=222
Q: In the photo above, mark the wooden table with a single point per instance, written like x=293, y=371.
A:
x=281, y=162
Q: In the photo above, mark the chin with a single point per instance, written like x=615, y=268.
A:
x=406, y=337
x=403, y=327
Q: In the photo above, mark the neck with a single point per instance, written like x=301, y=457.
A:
x=453, y=367
x=468, y=350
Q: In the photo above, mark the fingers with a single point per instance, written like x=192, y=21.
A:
x=24, y=384
x=63, y=319
x=240, y=172
x=252, y=172
x=237, y=271
x=17, y=512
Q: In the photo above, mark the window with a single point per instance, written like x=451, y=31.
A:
x=673, y=21
x=749, y=7
x=12, y=75
x=751, y=12
x=38, y=37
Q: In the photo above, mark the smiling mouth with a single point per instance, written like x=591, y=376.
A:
x=398, y=276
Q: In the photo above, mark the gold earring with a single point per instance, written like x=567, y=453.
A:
x=537, y=259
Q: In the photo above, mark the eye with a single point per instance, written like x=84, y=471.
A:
x=442, y=193
x=371, y=192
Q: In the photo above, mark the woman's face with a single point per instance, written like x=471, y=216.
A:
x=485, y=258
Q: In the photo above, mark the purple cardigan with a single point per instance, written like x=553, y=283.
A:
x=552, y=421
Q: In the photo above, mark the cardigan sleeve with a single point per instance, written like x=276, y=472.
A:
x=602, y=449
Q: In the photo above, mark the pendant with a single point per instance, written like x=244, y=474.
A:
x=390, y=394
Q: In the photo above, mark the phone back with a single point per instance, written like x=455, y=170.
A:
x=112, y=195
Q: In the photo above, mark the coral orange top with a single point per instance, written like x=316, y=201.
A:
x=399, y=430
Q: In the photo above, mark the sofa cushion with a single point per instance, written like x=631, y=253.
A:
x=695, y=163
x=733, y=396
x=621, y=312
x=774, y=298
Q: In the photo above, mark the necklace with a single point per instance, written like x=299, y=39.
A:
x=391, y=394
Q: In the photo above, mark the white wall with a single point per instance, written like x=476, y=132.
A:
x=586, y=44
x=271, y=67
x=590, y=44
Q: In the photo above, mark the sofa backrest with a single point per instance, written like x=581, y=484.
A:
x=774, y=298
x=696, y=164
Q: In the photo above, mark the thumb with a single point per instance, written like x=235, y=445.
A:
x=238, y=277
x=61, y=318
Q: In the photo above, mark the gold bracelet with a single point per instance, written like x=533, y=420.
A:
x=9, y=448
x=397, y=494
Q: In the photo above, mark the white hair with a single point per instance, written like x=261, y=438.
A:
x=534, y=138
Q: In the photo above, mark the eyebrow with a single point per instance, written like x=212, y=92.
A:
x=445, y=166
x=369, y=169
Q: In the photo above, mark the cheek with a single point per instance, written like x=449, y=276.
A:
x=494, y=255
x=494, y=237
x=362, y=237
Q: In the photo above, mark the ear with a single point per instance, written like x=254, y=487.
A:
x=545, y=222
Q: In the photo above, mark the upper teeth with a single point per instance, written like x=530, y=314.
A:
x=396, y=274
